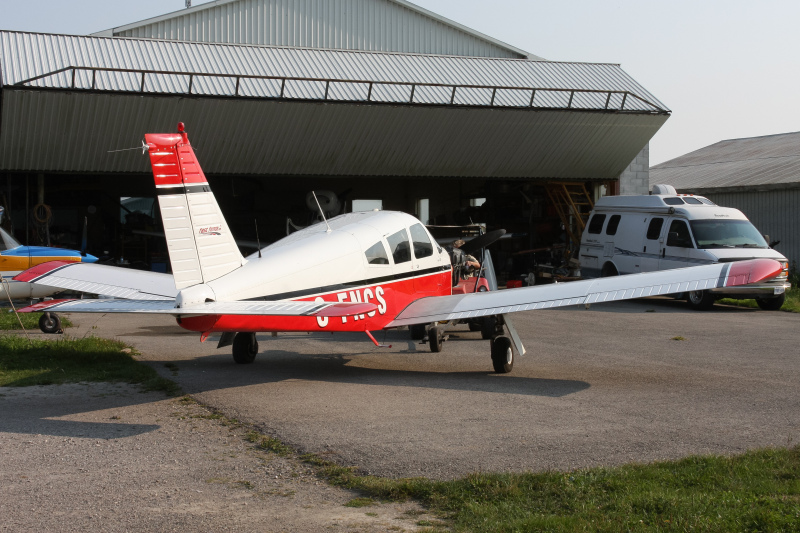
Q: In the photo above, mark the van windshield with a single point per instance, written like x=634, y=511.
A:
x=726, y=234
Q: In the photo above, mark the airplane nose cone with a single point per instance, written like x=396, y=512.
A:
x=88, y=258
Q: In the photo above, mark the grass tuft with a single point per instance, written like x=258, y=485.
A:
x=26, y=362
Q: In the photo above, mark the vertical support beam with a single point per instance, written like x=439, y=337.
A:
x=236, y=91
x=608, y=99
x=533, y=95
x=624, y=97
x=142, y=87
x=283, y=86
x=571, y=96
x=413, y=87
x=369, y=92
x=453, y=95
x=327, y=86
x=191, y=81
x=494, y=92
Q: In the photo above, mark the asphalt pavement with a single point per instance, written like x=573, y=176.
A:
x=623, y=382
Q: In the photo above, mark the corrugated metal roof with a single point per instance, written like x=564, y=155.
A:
x=27, y=55
x=72, y=131
x=374, y=25
x=754, y=162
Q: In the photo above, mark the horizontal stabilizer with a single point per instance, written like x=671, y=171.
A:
x=463, y=306
x=248, y=307
x=116, y=282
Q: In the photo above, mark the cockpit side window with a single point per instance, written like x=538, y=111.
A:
x=422, y=243
x=376, y=254
x=399, y=245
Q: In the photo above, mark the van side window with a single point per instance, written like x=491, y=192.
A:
x=613, y=224
x=376, y=254
x=692, y=201
x=422, y=243
x=654, y=229
x=684, y=238
x=596, y=224
x=398, y=244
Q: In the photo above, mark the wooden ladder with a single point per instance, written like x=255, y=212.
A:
x=573, y=204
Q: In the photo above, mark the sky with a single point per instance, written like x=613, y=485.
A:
x=725, y=68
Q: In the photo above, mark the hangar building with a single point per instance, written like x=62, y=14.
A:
x=382, y=102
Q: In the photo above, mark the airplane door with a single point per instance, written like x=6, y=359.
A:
x=651, y=248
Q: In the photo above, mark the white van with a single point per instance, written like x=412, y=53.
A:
x=630, y=234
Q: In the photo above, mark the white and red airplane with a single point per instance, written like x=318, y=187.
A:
x=356, y=272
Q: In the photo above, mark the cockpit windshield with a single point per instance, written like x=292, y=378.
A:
x=7, y=242
x=726, y=234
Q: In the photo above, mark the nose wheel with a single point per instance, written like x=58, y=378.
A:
x=245, y=348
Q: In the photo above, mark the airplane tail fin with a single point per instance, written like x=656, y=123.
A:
x=201, y=247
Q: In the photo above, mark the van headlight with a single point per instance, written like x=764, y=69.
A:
x=784, y=269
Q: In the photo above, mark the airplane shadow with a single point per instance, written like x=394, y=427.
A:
x=33, y=414
x=274, y=364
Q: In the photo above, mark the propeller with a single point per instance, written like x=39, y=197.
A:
x=482, y=241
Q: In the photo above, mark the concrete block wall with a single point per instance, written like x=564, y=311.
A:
x=636, y=178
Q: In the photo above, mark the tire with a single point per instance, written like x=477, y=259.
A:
x=502, y=355
x=50, y=323
x=435, y=336
x=475, y=325
x=245, y=348
x=417, y=331
x=609, y=270
x=700, y=300
x=488, y=327
x=771, y=304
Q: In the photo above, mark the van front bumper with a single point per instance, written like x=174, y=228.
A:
x=760, y=290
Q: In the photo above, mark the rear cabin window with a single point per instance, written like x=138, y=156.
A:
x=613, y=224
x=398, y=244
x=654, y=229
x=596, y=224
x=422, y=243
x=692, y=201
x=673, y=201
x=376, y=254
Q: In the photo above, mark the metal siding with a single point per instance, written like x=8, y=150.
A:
x=344, y=24
x=774, y=213
x=746, y=163
x=26, y=55
x=73, y=131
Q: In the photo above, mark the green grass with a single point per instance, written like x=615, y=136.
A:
x=755, y=492
x=65, y=360
x=9, y=321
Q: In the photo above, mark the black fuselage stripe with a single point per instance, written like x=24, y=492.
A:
x=182, y=189
x=351, y=284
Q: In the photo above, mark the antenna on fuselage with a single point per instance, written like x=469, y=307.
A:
x=321, y=212
x=258, y=241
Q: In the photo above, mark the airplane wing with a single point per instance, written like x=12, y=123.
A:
x=102, y=279
x=479, y=304
x=247, y=307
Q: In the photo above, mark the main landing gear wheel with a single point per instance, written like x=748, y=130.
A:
x=700, y=300
x=502, y=355
x=436, y=338
x=245, y=348
x=50, y=323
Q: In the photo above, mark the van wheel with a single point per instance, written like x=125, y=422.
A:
x=609, y=270
x=700, y=300
x=771, y=304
